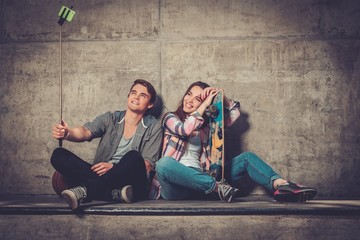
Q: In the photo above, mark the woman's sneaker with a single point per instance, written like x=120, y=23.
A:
x=123, y=195
x=73, y=196
x=155, y=189
x=225, y=191
x=292, y=192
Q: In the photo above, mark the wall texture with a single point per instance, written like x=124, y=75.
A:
x=294, y=66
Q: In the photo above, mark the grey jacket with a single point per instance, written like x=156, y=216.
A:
x=110, y=127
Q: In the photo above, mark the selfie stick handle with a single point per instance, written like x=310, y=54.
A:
x=60, y=83
x=66, y=15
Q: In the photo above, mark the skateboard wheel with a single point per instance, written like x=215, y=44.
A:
x=212, y=108
x=213, y=111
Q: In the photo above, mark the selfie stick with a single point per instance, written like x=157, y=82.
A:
x=66, y=15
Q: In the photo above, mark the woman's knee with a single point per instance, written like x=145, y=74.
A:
x=162, y=164
x=244, y=159
x=251, y=155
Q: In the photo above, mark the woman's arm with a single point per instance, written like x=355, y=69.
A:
x=183, y=129
x=232, y=110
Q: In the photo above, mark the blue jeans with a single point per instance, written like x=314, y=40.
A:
x=180, y=182
x=252, y=165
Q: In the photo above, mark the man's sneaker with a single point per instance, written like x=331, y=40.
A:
x=225, y=191
x=124, y=195
x=73, y=196
x=292, y=192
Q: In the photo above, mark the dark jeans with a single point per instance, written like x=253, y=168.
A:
x=129, y=171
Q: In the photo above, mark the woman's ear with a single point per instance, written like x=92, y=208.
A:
x=150, y=105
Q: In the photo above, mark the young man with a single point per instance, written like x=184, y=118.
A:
x=129, y=146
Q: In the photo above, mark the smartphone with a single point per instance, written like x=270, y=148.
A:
x=66, y=13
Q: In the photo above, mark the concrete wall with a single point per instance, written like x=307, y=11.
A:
x=294, y=65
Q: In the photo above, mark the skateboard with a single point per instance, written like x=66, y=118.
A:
x=215, y=112
x=59, y=183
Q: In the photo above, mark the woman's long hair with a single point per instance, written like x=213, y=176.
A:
x=180, y=109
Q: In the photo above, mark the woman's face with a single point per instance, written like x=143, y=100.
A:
x=192, y=100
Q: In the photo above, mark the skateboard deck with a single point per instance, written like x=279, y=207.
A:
x=215, y=112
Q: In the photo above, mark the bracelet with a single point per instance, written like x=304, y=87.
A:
x=67, y=133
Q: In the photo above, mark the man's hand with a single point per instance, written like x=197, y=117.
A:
x=77, y=134
x=101, y=168
x=60, y=131
x=148, y=166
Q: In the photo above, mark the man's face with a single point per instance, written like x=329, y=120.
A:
x=139, y=99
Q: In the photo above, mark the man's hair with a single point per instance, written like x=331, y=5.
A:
x=150, y=88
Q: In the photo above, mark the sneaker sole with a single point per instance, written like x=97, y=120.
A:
x=231, y=196
x=300, y=197
x=70, y=198
x=154, y=193
x=127, y=194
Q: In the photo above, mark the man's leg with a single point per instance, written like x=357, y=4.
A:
x=75, y=170
x=129, y=171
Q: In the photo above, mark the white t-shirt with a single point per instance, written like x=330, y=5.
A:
x=191, y=157
x=123, y=147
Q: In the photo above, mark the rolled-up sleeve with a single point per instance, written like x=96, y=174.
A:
x=98, y=126
x=232, y=113
x=183, y=129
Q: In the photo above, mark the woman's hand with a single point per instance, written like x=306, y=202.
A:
x=101, y=168
x=208, y=94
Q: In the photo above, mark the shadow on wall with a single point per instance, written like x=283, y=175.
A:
x=233, y=147
x=233, y=136
x=157, y=109
x=347, y=59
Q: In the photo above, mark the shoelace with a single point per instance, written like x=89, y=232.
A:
x=223, y=190
x=116, y=194
x=79, y=192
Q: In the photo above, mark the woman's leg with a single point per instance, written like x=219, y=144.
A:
x=75, y=170
x=260, y=172
x=181, y=182
x=129, y=171
x=254, y=166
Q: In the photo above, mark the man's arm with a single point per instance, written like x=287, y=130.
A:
x=77, y=134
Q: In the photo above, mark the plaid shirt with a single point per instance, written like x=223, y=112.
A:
x=176, y=133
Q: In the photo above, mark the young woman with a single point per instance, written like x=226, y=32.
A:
x=182, y=171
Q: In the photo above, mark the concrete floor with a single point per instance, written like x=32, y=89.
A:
x=254, y=217
x=252, y=205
